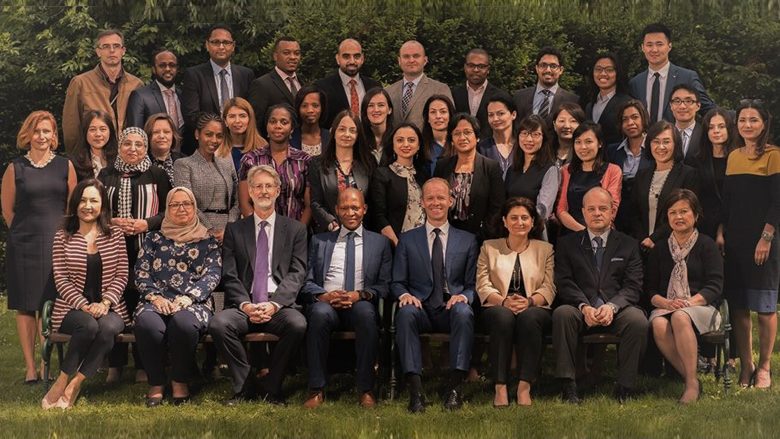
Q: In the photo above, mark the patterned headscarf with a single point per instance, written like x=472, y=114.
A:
x=192, y=231
x=125, y=205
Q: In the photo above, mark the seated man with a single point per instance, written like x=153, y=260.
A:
x=432, y=299
x=349, y=270
x=263, y=268
x=598, y=273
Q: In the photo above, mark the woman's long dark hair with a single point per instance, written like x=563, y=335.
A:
x=301, y=95
x=545, y=155
x=421, y=159
x=82, y=155
x=655, y=131
x=530, y=206
x=367, y=130
x=427, y=130
x=600, y=163
x=763, y=139
x=70, y=222
x=360, y=152
x=705, y=147
x=621, y=78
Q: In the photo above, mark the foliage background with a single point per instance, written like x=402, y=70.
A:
x=733, y=45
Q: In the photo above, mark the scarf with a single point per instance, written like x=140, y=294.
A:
x=190, y=232
x=678, y=282
x=125, y=207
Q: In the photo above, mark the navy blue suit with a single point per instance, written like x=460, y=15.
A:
x=412, y=273
x=362, y=318
x=637, y=87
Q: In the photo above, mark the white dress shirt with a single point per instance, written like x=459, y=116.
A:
x=361, y=90
x=664, y=75
x=631, y=165
x=286, y=81
x=334, y=278
x=475, y=96
x=270, y=229
x=228, y=78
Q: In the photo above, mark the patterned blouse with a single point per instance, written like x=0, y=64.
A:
x=293, y=171
x=170, y=270
x=461, y=188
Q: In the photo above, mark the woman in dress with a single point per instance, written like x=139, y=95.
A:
x=90, y=271
x=212, y=179
x=164, y=142
x=566, y=118
x=501, y=146
x=178, y=268
x=35, y=190
x=684, y=281
x=292, y=165
x=311, y=104
x=100, y=146
x=437, y=112
x=516, y=290
x=241, y=136
x=749, y=218
x=376, y=116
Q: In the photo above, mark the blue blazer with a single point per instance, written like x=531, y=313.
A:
x=412, y=264
x=637, y=87
x=377, y=264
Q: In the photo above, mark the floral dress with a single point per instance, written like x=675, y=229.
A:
x=170, y=269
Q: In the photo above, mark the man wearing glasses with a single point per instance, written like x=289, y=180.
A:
x=547, y=95
x=107, y=87
x=685, y=104
x=160, y=96
x=473, y=96
x=208, y=86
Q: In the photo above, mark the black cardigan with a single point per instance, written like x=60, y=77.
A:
x=389, y=198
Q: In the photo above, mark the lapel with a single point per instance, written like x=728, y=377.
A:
x=368, y=254
x=421, y=239
x=248, y=236
x=479, y=178
x=211, y=83
x=342, y=94
x=238, y=80
x=608, y=109
x=612, y=245
x=671, y=182
x=157, y=93
x=671, y=80
x=587, y=253
x=277, y=80
x=452, y=242
x=489, y=91
x=361, y=178
x=641, y=89
x=280, y=232
x=330, y=183
x=330, y=244
x=527, y=100
x=694, y=141
x=422, y=86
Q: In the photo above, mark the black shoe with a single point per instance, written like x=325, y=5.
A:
x=570, y=393
x=416, y=402
x=154, y=401
x=271, y=399
x=453, y=401
x=623, y=394
x=181, y=401
x=238, y=398
x=31, y=382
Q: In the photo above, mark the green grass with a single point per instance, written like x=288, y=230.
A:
x=117, y=411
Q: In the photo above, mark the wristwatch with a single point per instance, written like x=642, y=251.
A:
x=106, y=302
x=766, y=236
x=613, y=306
x=365, y=295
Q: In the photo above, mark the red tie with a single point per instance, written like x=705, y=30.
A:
x=354, y=100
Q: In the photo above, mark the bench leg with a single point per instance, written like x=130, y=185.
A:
x=393, y=363
x=718, y=364
x=726, y=372
x=47, y=348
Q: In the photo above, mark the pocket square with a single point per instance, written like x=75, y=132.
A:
x=616, y=260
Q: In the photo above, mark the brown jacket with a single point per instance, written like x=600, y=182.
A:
x=497, y=262
x=90, y=91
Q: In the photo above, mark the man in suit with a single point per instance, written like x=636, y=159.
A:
x=433, y=298
x=547, y=95
x=410, y=92
x=349, y=270
x=473, y=96
x=345, y=88
x=654, y=85
x=263, y=268
x=209, y=85
x=107, y=87
x=598, y=273
x=161, y=96
x=280, y=85
x=685, y=104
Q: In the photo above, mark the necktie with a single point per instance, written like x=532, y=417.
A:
x=223, y=88
x=437, y=268
x=686, y=140
x=655, y=96
x=599, y=251
x=349, y=264
x=407, y=98
x=354, y=100
x=544, y=109
x=173, y=111
x=293, y=88
x=260, y=284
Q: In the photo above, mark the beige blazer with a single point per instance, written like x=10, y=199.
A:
x=496, y=263
x=425, y=89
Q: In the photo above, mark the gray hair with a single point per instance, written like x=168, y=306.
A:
x=263, y=169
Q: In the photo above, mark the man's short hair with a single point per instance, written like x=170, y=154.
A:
x=284, y=38
x=264, y=169
x=686, y=87
x=478, y=51
x=219, y=26
x=159, y=51
x=435, y=180
x=657, y=28
x=109, y=32
x=549, y=51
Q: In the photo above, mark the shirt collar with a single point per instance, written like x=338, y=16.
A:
x=445, y=228
x=539, y=88
x=479, y=89
x=689, y=130
x=346, y=78
x=216, y=69
x=663, y=71
x=271, y=219
x=606, y=98
x=285, y=75
x=105, y=75
x=163, y=88
x=624, y=145
x=604, y=236
x=415, y=81
x=343, y=231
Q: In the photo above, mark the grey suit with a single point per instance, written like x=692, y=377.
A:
x=524, y=101
x=146, y=101
x=426, y=88
x=637, y=87
x=324, y=187
x=214, y=186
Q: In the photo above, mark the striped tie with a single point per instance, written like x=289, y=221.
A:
x=544, y=109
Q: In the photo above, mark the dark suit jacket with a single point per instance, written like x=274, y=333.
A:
x=146, y=101
x=694, y=145
x=389, y=197
x=705, y=270
x=267, y=91
x=637, y=87
x=461, y=97
x=337, y=97
x=681, y=176
x=288, y=265
x=296, y=140
x=412, y=265
x=579, y=281
x=377, y=265
x=709, y=196
x=524, y=101
x=618, y=157
x=485, y=198
x=610, y=125
x=324, y=187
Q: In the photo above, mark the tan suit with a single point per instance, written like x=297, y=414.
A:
x=426, y=88
x=497, y=262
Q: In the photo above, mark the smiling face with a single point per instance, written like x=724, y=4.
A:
x=587, y=146
x=89, y=206
x=684, y=106
x=750, y=124
x=439, y=115
x=181, y=209
x=378, y=109
x=656, y=48
x=132, y=149
x=210, y=137
x=531, y=140
x=681, y=217
x=464, y=139
x=549, y=69
x=406, y=143
x=499, y=117
x=311, y=109
x=412, y=59
x=519, y=222
x=287, y=56
x=280, y=126
x=165, y=68
x=351, y=209
x=43, y=136
x=220, y=46
x=436, y=200
x=350, y=57
x=110, y=49
x=565, y=124
x=162, y=138
x=237, y=120
x=477, y=68
x=263, y=191
x=662, y=147
x=717, y=130
x=98, y=133
x=631, y=123
x=346, y=133
x=604, y=74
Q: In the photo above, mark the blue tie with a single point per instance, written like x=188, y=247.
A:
x=349, y=264
x=599, y=251
x=437, y=268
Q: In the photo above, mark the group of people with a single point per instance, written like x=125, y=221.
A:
x=476, y=211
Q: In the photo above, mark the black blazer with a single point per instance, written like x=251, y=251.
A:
x=610, y=125
x=524, y=101
x=461, y=97
x=705, y=270
x=389, y=196
x=146, y=101
x=288, y=266
x=694, y=145
x=337, y=97
x=578, y=281
x=324, y=192
x=681, y=176
x=485, y=198
x=710, y=196
x=267, y=91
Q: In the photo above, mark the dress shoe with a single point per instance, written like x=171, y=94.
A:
x=31, y=382
x=570, y=393
x=272, y=399
x=316, y=398
x=238, y=398
x=46, y=405
x=623, y=394
x=416, y=402
x=366, y=400
x=181, y=400
x=453, y=401
x=154, y=401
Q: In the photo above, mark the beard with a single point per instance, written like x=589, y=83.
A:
x=167, y=84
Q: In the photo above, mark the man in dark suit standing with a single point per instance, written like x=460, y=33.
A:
x=209, y=85
x=547, y=95
x=161, y=96
x=598, y=273
x=685, y=104
x=654, y=85
x=473, y=96
x=432, y=298
x=349, y=270
x=280, y=85
x=345, y=88
x=263, y=268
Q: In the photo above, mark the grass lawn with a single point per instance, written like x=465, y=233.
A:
x=117, y=411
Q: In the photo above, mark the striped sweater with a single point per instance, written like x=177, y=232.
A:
x=70, y=272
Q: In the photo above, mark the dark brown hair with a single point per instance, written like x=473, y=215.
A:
x=683, y=195
x=70, y=222
x=545, y=155
x=655, y=131
x=705, y=147
x=530, y=206
x=360, y=153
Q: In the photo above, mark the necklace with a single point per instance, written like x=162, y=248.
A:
x=527, y=244
x=43, y=163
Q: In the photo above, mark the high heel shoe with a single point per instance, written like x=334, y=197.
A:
x=751, y=379
x=755, y=381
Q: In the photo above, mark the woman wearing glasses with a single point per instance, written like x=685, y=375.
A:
x=608, y=85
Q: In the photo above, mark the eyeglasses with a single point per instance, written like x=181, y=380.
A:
x=536, y=135
x=267, y=186
x=608, y=70
x=464, y=133
x=226, y=43
x=186, y=205
x=170, y=65
x=473, y=66
x=751, y=102
x=687, y=101
x=131, y=144
x=545, y=66
x=110, y=47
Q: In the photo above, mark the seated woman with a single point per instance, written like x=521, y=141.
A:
x=376, y=115
x=516, y=289
x=90, y=273
x=164, y=142
x=501, y=146
x=178, y=268
x=396, y=189
x=309, y=136
x=241, y=136
x=684, y=280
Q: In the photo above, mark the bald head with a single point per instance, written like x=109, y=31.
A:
x=348, y=194
x=351, y=208
x=350, y=57
x=412, y=59
x=597, y=210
